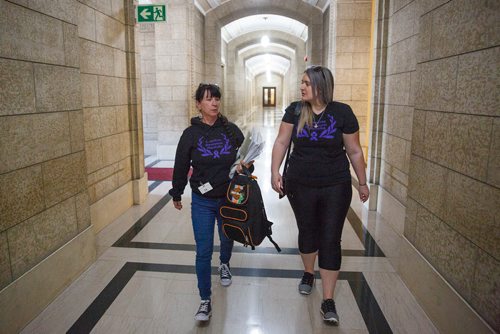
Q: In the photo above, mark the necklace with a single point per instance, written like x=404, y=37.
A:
x=315, y=123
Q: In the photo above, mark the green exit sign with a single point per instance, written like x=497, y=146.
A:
x=151, y=13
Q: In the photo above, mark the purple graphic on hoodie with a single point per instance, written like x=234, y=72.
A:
x=214, y=147
x=325, y=129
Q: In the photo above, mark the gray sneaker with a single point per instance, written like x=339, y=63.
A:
x=329, y=311
x=225, y=275
x=306, y=284
x=204, y=312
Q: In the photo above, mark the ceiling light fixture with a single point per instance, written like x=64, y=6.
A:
x=264, y=41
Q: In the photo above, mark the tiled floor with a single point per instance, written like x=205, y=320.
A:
x=144, y=281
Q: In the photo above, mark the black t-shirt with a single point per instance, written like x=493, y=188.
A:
x=318, y=157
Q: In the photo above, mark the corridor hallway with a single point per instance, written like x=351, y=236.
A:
x=143, y=280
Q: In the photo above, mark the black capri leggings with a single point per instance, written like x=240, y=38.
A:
x=320, y=213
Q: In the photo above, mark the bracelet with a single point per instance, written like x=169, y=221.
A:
x=361, y=185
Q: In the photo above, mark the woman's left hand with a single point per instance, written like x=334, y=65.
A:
x=364, y=193
x=242, y=163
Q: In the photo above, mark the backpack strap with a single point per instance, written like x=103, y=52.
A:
x=274, y=243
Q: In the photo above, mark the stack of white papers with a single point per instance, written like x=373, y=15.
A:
x=252, y=147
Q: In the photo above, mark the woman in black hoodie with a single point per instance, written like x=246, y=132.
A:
x=210, y=146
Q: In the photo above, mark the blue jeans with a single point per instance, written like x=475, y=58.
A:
x=204, y=212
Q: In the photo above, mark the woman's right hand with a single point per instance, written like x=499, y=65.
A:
x=276, y=180
x=177, y=205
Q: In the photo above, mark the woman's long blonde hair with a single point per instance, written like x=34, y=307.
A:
x=322, y=88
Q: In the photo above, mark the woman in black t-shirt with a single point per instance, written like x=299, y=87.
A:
x=318, y=180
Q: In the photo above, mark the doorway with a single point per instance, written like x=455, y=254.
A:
x=269, y=96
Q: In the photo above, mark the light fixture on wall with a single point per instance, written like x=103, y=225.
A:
x=264, y=41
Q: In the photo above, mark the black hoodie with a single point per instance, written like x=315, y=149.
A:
x=211, y=151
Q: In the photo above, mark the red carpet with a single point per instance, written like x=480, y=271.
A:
x=160, y=174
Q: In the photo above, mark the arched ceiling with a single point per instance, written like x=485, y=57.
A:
x=207, y=5
x=263, y=22
x=262, y=16
x=267, y=62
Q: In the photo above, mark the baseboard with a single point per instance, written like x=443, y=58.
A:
x=22, y=300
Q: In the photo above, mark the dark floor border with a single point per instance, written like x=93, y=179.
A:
x=370, y=310
x=153, y=185
x=153, y=163
x=371, y=247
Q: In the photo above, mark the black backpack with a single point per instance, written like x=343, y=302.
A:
x=243, y=214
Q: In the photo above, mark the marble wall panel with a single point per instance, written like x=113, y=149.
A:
x=82, y=210
x=394, y=151
x=342, y=92
x=112, y=91
x=451, y=253
x=398, y=121
x=360, y=92
x=30, y=139
x=40, y=41
x=343, y=60
x=361, y=60
x=438, y=136
x=418, y=133
x=103, y=188
x=391, y=184
x=438, y=81
x=21, y=195
x=122, y=118
x=344, y=44
x=423, y=50
x=470, y=145
x=397, y=5
x=64, y=10
x=362, y=28
x=426, y=6
x=345, y=28
x=111, y=149
x=96, y=58
x=120, y=63
x=37, y=237
x=351, y=76
x=397, y=89
x=410, y=227
x=94, y=155
x=172, y=48
x=57, y=88
x=5, y=273
x=402, y=56
x=109, y=31
x=404, y=22
x=477, y=83
x=485, y=291
x=493, y=177
x=462, y=26
x=124, y=171
x=63, y=177
x=71, y=45
x=428, y=184
x=17, y=91
x=90, y=90
x=86, y=22
x=472, y=208
x=99, y=122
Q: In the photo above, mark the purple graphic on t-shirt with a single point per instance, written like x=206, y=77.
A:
x=322, y=130
x=214, y=147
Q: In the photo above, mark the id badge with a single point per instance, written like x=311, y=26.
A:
x=204, y=188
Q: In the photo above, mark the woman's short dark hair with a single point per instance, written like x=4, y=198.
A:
x=213, y=90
